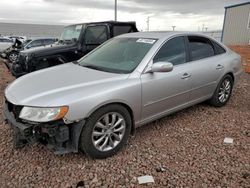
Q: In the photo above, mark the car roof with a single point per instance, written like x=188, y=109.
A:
x=104, y=22
x=160, y=34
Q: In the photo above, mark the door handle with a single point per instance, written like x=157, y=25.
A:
x=185, y=75
x=219, y=67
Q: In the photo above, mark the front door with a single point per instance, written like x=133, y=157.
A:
x=163, y=92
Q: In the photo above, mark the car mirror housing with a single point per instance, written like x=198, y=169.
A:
x=162, y=67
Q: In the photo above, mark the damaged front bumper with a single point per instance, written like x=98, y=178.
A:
x=56, y=135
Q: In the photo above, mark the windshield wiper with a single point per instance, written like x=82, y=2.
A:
x=76, y=62
x=93, y=67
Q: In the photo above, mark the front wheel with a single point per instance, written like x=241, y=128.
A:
x=223, y=92
x=106, y=131
x=13, y=57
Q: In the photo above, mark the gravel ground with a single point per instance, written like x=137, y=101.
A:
x=188, y=144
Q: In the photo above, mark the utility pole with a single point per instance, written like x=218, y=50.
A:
x=148, y=23
x=173, y=27
x=203, y=27
x=115, y=10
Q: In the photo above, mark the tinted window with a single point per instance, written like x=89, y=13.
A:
x=35, y=43
x=200, y=48
x=119, y=29
x=172, y=51
x=218, y=48
x=48, y=41
x=5, y=40
x=96, y=34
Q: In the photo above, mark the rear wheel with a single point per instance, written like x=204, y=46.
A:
x=223, y=92
x=106, y=131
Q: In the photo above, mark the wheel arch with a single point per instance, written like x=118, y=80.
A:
x=230, y=74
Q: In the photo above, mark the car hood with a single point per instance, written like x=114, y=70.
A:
x=48, y=87
x=49, y=49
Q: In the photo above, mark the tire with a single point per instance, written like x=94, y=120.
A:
x=13, y=57
x=217, y=100
x=98, y=129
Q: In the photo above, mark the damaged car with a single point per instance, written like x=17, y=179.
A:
x=75, y=41
x=95, y=103
x=12, y=53
x=5, y=43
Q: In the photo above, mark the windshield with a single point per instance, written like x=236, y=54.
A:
x=120, y=55
x=71, y=32
x=26, y=42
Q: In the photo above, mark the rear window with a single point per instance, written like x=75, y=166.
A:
x=96, y=34
x=218, y=48
x=200, y=48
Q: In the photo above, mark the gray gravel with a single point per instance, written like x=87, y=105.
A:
x=188, y=145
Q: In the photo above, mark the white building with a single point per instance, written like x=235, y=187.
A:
x=236, y=27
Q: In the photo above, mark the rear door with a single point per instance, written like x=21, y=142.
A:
x=206, y=67
x=166, y=91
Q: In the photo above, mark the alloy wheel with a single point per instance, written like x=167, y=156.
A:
x=13, y=57
x=108, y=131
x=224, y=91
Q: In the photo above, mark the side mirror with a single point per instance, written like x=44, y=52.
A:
x=162, y=67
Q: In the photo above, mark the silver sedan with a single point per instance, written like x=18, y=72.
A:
x=94, y=104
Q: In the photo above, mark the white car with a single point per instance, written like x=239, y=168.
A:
x=5, y=43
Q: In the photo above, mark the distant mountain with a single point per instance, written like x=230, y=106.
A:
x=30, y=30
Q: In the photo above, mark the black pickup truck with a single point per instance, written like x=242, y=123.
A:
x=75, y=41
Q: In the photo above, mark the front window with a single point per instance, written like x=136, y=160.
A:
x=26, y=42
x=34, y=43
x=71, y=32
x=120, y=55
x=172, y=51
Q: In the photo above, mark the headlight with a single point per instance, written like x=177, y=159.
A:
x=39, y=114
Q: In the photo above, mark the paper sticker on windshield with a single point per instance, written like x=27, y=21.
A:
x=78, y=27
x=149, y=41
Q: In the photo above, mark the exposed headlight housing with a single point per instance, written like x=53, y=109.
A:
x=40, y=114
